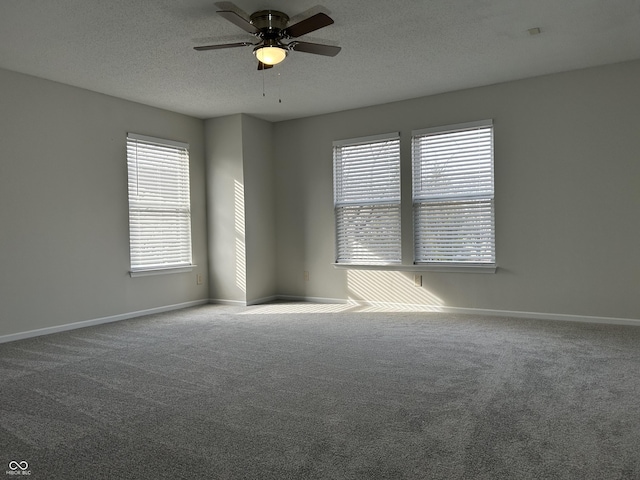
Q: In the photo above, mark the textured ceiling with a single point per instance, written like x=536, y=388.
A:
x=141, y=50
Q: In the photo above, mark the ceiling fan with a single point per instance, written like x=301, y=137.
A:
x=272, y=29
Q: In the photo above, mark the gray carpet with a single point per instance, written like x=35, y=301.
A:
x=218, y=392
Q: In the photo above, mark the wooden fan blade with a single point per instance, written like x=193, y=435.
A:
x=231, y=6
x=310, y=24
x=315, y=48
x=263, y=66
x=239, y=21
x=224, y=45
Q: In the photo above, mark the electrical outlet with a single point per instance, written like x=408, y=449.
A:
x=198, y=279
x=306, y=276
x=417, y=280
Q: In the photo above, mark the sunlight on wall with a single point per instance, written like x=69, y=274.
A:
x=241, y=266
x=369, y=291
x=240, y=248
x=390, y=291
x=238, y=195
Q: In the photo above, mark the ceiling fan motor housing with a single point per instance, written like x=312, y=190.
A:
x=270, y=22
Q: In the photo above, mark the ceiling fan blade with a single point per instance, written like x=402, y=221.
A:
x=263, y=66
x=315, y=48
x=307, y=25
x=224, y=45
x=239, y=21
x=231, y=6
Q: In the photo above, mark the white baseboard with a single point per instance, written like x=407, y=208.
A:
x=273, y=298
x=222, y=301
x=97, y=321
x=322, y=300
x=258, y=301
x=242, y=303
x=470, y=311
x=545, y=316
x=297, y=298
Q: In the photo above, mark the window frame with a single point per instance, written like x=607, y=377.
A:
x=175, y=203
x=338, y=202
x=483, y=266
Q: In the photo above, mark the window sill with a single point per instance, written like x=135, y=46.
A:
x=160, y=271
x=456, y=268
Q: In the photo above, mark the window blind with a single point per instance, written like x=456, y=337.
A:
x=453, y=191
x=159, y=203
x=367, y=200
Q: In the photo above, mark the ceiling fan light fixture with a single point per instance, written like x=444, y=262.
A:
x=270, y=55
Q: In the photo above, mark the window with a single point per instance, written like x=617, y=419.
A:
x=367, y=200
x=159, y=204
x=453, y=207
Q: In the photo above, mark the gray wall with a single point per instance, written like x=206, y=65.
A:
x=259, y=188
x=226, y=210
x=567, y=173
x=567, y=202
x=64, y=244
x=240, y=182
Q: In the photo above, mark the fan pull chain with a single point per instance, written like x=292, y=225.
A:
x=264, y=94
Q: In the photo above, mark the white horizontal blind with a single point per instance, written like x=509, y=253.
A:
x=367, y=200
x=159, y=203
x=453, y=194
